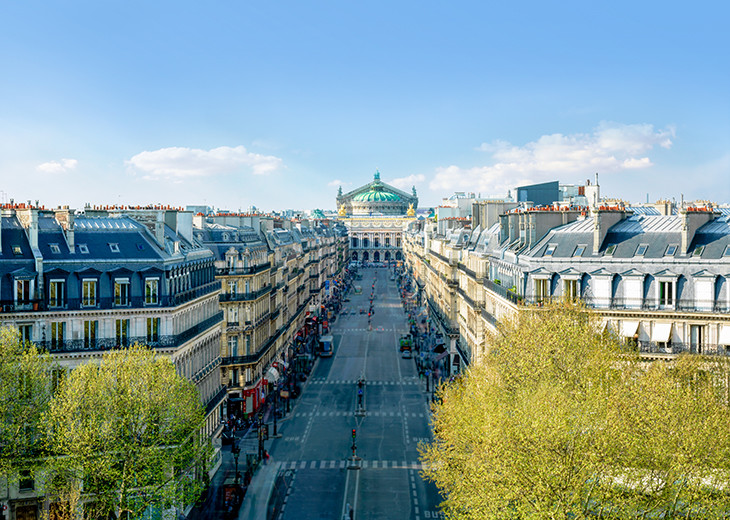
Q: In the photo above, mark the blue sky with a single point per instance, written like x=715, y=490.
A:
x=276, y=104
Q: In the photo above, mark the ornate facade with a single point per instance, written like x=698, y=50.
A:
x=375, y=215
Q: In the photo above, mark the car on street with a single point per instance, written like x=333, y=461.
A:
x=407, y=354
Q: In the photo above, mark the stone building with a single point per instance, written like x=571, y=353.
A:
x=659, y=280
x=375, y=215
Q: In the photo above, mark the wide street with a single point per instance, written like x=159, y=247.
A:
x=317, y=481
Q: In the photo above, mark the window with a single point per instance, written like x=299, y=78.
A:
x=550, y=249
x=90, y=327
x=233, y=315
x=88, y=293
x=26, y=332
x=542, y=289
x=58, y=331
x=666, y=293
x=83, y=248
x=570, y=289
x=122, y=332
x=397, y=241
x=247, y=289
x=114, y=247
x=727, y=251
x=17, y=251
x=233, y=346
x=56, y=293
x=248, y=344
x=55, y=249
x=610, y=249
x=579, y=250
x=365, y=242
x=153, y=330
x=26, y=482
x=387, y=241
x=354, y=242
x=22, y=291
x=671, y=249
x=121, y=292
x=641, y=250
x=377, y=242
x=698, y=251
x=232, y=288
x=151, y=296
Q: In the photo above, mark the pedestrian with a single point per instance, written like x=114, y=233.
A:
x=266, y=457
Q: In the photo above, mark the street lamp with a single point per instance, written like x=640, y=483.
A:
x=276, y=402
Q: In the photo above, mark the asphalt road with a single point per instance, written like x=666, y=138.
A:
x=312, y=454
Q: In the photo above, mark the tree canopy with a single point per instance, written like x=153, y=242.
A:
x=126, y=434
x=24, y=396
x=563, y=421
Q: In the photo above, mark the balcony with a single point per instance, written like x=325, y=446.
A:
x=237, y=271
x=102, y=344
x=132, y=302
x=242, y=297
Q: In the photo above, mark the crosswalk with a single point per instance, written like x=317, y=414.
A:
x=323, y=381
x=342, y=464
x=351, y=412
x=338, y=330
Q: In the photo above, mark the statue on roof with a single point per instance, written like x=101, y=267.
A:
x=413, y=188
x=411, y=212
x=339, y=191
x=377, y=175
x=342, y=212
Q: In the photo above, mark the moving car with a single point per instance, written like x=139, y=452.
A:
x=326, y=346
x=407, y=354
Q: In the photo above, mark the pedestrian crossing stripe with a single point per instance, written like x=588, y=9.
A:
x=342, y=464
x=349, y=413
x=322, y=381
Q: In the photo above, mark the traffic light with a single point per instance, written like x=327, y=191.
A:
x=354, y=434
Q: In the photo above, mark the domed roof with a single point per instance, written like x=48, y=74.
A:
x=376, y=193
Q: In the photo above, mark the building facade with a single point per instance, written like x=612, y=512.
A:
x=660, y=281
x=375, y=215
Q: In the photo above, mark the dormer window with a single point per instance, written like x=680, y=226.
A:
x=671, y=249
x=579, y=250
x=226, y=236
x=726, y=253
x=114, y=247
x=641, y=250
x=83, y=249
x=550, y=249
x=610, y=250
x=698, y=251
x=55, y=249
x=17, y=250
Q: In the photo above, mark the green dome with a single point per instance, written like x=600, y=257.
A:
x=376, y=193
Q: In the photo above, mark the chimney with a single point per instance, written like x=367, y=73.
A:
x=28, y=218
x=65, y=218
x=692, y=220
x=603, y=220
x=160, y=229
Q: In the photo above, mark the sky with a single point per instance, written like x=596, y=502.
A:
x=276, y=104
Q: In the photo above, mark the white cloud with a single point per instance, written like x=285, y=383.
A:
x=61, y=166
x=404, y=183
x=337, y=182
x=179, y=163
x=611, y=147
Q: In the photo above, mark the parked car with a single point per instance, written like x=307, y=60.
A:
x=407, y=354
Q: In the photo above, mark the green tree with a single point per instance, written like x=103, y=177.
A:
x=24, y=396
x=126, y=437
x=560, y=421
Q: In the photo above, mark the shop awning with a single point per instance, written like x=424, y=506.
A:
x=272, y=375
x=724, y=338
x=629, y=328
x=441, y=356
x=661, y=332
